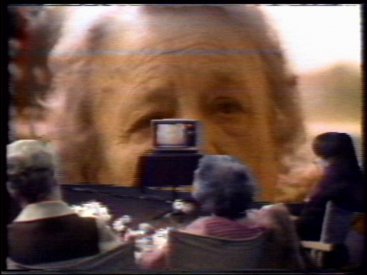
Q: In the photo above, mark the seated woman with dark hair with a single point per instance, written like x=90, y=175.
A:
x=225, y=189
x=342, y=183
x=341, y=190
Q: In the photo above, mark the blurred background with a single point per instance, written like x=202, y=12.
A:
x=324, y=47
x=323, y=43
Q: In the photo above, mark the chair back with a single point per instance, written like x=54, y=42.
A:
x=336, y=224
x=201, y=253
x=335, y=249
x=118, y=259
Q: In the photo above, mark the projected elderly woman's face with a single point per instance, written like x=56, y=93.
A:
x=195, y=68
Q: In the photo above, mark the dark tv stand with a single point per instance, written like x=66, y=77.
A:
x=175, y=152
x=163, y=169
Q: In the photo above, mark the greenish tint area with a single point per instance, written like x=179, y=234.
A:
x=338, y=97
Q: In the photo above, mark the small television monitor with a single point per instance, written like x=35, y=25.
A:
x=176, y=134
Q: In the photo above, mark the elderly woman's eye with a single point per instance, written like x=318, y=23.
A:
x=227, y=107
x=140, y=126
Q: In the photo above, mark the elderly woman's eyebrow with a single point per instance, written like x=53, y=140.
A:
x=228, y=85
x=227, y=76
x=157, y=104
x=153, y=95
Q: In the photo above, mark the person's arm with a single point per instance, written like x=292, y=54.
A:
x=107, y=238
x=285, y=241
x=154, y=260
x=331, y=186
x=157, y=258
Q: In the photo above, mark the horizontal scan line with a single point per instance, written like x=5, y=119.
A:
x=162, y=52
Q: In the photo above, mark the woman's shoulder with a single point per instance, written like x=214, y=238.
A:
x=216, y=221
x=206, y=220
x=225, y=228
x=198, y=226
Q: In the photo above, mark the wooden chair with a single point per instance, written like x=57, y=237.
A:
x=116, y=260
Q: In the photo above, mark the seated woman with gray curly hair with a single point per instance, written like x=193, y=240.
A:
x=225, y=190
x=47, y=230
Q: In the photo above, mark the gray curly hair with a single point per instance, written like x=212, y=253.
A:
x=224, y=186
x=31, y=168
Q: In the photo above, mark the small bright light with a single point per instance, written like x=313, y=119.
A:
x=92, y=209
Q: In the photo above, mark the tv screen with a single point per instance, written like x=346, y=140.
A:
x=176, y=134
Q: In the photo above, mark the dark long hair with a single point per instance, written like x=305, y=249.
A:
x=338, y=150
x=334, y=145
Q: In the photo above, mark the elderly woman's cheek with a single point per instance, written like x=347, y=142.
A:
x=124, y=158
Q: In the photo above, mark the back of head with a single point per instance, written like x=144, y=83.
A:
x=223, y=186
x=30, y=170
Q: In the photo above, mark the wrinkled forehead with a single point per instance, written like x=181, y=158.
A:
x=171, y=29
x=132, y=33
x=132, y=24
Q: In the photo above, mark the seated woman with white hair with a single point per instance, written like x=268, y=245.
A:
x=225, y=190
x=47, y=230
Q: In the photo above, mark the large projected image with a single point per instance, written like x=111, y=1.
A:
x=91, y=79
